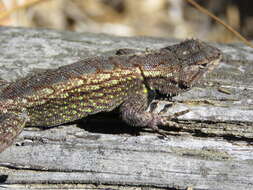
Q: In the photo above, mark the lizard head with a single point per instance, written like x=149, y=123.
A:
x=177, y=68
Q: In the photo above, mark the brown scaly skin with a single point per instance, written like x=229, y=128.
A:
x=101, y=84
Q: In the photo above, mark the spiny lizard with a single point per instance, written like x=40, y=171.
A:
x=100, y=84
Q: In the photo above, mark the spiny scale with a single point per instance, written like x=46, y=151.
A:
x=101, y=84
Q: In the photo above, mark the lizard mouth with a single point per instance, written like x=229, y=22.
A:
x=209, y=64
x=208, y=67
x=213, y=64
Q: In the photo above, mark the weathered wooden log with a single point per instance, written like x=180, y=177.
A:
x=212, y=148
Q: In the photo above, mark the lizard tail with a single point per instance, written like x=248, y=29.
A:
x=11, y=125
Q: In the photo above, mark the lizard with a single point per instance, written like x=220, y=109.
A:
x=127, y=81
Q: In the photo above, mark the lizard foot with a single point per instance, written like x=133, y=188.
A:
x=165, y=121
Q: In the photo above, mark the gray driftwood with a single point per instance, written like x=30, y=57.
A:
x=211, y=149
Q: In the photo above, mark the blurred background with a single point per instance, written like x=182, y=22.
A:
x=160, y=18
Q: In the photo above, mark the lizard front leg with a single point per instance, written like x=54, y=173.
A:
x=134, y=112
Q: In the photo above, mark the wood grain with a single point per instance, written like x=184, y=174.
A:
x=211, y=149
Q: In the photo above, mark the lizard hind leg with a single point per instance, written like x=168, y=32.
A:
x=11, y=125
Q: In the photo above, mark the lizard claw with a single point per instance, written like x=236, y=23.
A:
x=166, y=120
x=158, y=131
x=177, y=114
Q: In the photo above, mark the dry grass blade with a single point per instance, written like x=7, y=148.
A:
x=205, y=11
